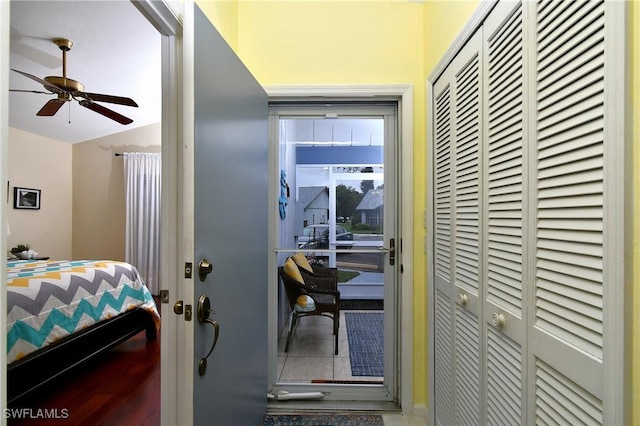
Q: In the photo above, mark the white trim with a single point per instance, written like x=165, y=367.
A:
x=4, y=144
x=186, y=366
x=463, y=37
x=420, y=410
x=617, y=221
x=403, y=92
x=429, y=246
x=175, y=395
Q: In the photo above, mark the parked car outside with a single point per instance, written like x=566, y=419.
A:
x=317, y=236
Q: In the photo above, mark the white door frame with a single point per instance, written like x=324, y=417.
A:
x=4, y=136
x=175, y=334
x=403, y=93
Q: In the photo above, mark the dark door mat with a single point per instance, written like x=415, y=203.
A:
x=361, y=305
x=323, y=420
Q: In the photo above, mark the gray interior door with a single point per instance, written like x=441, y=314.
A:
x=231, y=141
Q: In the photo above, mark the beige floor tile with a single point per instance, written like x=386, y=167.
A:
x=305, y=369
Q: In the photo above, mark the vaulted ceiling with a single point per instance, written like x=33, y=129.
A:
x=116, y=51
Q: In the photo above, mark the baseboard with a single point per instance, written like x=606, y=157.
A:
x=420, y=410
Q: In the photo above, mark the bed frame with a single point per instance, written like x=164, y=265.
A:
x=47, y=364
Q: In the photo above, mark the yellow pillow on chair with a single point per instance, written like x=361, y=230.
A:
x=301, y=260
x=291, y=269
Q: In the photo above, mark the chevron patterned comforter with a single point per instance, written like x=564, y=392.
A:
x=47, y=301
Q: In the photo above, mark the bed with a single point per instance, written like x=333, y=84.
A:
x=61, y=313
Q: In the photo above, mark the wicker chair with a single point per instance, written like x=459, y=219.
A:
x=324, y=295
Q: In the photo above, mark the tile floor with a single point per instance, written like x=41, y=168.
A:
x=311, y=355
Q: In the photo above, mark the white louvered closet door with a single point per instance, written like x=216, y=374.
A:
x=505, y=205
x=444, y=364
x=458, y=99
x=567, y=296
x=528, y=200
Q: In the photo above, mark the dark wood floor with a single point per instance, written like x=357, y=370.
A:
x=120, y=387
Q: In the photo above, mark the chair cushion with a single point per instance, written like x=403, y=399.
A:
x=292, y=271
x=305, y=303
x=302, y=262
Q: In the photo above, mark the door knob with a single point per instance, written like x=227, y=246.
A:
x=463, y=299
x=204, y=268
x=178, y=308
x=497, y=320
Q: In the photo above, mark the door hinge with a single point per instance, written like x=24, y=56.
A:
x=188, y=269
x=164, y=296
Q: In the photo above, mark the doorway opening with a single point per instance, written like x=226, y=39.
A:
x=338, y=208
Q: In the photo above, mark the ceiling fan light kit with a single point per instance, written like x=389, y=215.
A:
x=67, y=89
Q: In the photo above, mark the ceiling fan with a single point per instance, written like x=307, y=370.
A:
x=68, y=89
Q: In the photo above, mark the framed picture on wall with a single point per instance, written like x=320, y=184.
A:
x=26, y=198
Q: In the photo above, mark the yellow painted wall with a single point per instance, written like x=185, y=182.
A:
x=224, y=16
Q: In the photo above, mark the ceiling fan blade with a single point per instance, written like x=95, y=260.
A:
x=50, y=108
x=106, y=112
x=30, y=91
x=97, y=97
x=46, y=84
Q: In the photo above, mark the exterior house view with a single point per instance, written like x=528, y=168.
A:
x=315, y=204
x=371, y=207
x=513, y=242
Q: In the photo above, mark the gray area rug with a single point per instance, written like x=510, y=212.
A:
x=365, y=331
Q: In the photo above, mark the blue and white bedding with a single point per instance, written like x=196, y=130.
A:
x=47, y=300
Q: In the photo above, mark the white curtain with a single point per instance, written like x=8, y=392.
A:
x=142, y=190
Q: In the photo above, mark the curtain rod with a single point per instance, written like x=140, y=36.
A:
x=121, y=154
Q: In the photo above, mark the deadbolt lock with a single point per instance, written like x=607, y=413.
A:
x=178, y=308
x=204, y=268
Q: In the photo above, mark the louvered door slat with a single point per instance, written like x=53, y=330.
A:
x=467, y=130
x=505, y=165
x=558, y=41
x=504, y=387
x=548, y=11
x=561, y=401
x=468, y=367
x=443, y=185
x=443, y=360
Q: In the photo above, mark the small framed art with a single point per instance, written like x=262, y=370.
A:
x=26, y=198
